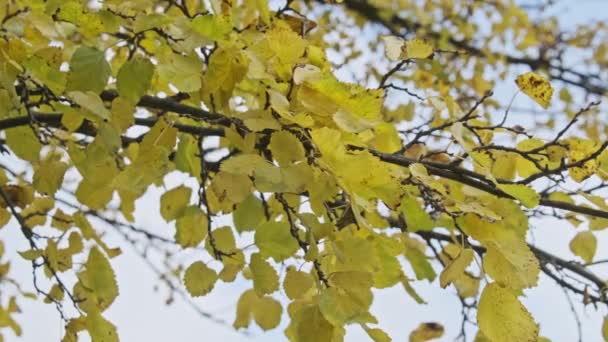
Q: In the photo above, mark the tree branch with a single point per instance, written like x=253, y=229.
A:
x=395, y=22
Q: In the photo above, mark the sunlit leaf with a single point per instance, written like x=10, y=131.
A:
x=512, y=322
x=535, y=86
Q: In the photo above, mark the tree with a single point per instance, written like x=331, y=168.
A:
x=360, y=147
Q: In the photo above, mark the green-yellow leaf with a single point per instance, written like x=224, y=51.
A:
x=414, y=253
x=248, y=214
x=265, y=278
x=230, y=188
x=244, y=309
x=426, y=332
x=186, y=158
x=89, y=70
x=48, y=174
x=97, y=287
x=182, y=71
x=348, y=298
x=376, y=334
x=224, y=241
x=91, y=102
x=416, y=217
x=100, y=329
x=174, y=202
x=297, y=283
x=525, y=194
x=584, y=245
x=214, y=27
x=274, y=240
x=267, y=313
x=134, y=78
x=397, y=48
x=162, y=134
x=23, y=142
x=199, y=279
x=286, y=148
x=308, y=324
x=191, y=227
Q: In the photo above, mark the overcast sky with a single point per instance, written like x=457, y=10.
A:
x=141, y=315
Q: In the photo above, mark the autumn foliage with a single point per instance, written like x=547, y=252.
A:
x=353, y=145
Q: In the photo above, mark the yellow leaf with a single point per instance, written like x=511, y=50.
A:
x=525, y=194
x=386, y=138
x=174, y=202
x=504, y=165
x=456, y=268
x=508, y=260
x=426, y=332
x=580, y=149
x=502, y=318
x=199, y=279
x=351, y=123
x=535, y=86
x=228, y=65
x=324, y=96
x=605, y=328
x=416, y=48
x=584, y=245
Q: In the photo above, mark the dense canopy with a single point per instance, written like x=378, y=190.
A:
x=352, y=146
